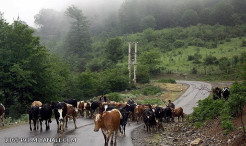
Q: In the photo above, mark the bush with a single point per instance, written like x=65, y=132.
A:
x=172, y=81
x=243, y=44
x=178, y=44
x=143, y=74
x=114, y=97
x=151, y=91
x=207, y=109
x=152, y=101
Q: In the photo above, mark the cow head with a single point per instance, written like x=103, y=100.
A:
x=98, y=122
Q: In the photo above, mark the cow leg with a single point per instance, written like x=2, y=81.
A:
x=30, y=122
x=40, y=121
x=105, y=138
x=112, y=138
x=66, y=121
x=109, y=134
x=124, y=129
x=46, y=124
x=37, y=121
x=115, y=137
x=74, y=121
x=34, y=124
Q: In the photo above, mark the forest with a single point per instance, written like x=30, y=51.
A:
x=77, y=53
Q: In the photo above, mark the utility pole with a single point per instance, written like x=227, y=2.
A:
x=135, y=64
x=129, y=61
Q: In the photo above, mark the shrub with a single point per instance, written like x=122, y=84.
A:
x=172, y=81
x=151, y=91
x=114, y=97
x=178, y=44
x=207, y=109
x=243, y=44
x=151, y=101
x=143, y=75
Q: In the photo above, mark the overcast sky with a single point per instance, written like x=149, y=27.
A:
x=26, y=9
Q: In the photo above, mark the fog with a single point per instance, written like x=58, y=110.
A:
x=27, y=9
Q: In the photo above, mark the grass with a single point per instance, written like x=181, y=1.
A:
x=176, y=60
x=167, y=91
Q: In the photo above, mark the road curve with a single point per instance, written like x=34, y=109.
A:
x=197, y=91
x=84, y=135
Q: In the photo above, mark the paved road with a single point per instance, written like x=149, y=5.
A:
x=84, y=135
x=197, y=91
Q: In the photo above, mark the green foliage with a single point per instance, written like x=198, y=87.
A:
x=190, y=17
x=143, y=75
x=151, y=59
x=207, y=109
x=148, y=22
x=28, y=72
x=114, y=97
x=150, y=90
x=172, y=81
x=243, y=43
x=210, y=60
x=151, y=101
x=178, y=44
x=224, y=64
x=113, y=80
x=78, y=40
x=114, y=50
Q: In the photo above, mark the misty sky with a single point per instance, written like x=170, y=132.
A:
x=26, y=9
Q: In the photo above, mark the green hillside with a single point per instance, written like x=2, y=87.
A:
x=200, y=50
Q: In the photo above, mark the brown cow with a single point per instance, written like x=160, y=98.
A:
x=178, y=112
x=81, y=109
x=71, y=114
x=36, y=103
x=138, y=112
x=109, y=122
x=2, y=112
x=87, y=108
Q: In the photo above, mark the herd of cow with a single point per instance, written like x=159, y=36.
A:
x=110, y=117
x=218, y=93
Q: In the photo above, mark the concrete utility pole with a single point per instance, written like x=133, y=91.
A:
x=135, y=64
x=129, y=61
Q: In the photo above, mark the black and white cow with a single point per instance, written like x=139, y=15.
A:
x=33, y=116
x=123, y=121
x=45, y=113
x=60, y=110
x=226, y=93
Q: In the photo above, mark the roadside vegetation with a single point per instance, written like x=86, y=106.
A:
x=209, y=109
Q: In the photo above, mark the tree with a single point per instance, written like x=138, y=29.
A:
x=224, y=64
x=151, y=59
x=148, y=22
x=222, y=13
x=209, y=60
x=114, y=50
x=189, y=17
x=78, y=41
x=27, y=70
